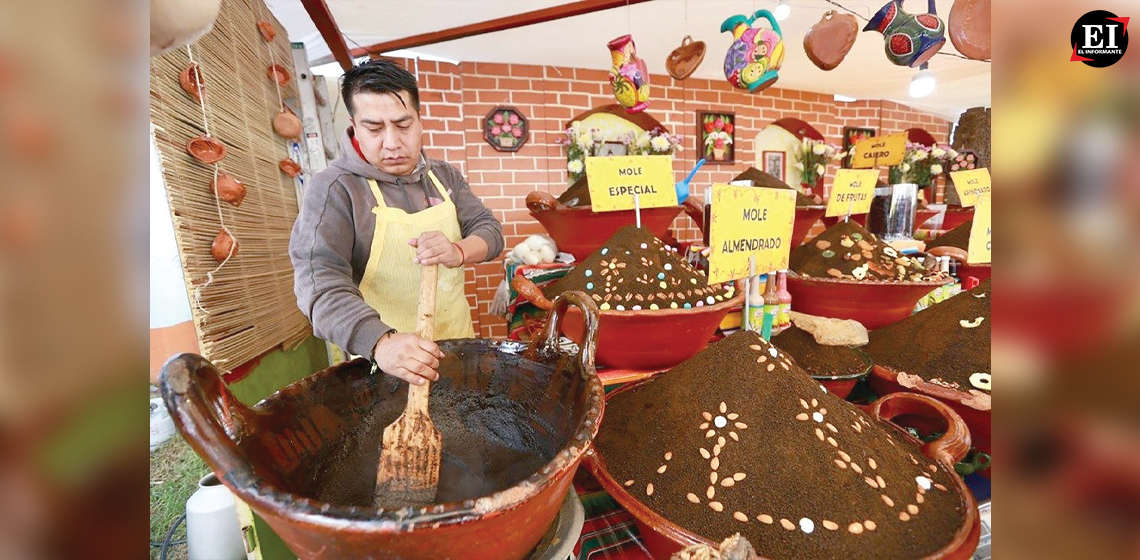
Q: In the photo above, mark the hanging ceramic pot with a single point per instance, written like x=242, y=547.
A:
x=279, y=74
x=289, y=167
x=911, y=39
x=828, y=42
x=267, y=31
x=286, y=124
x=754, y=58
x=969, y=28
x=174, y=23
x=685, y=59
x=224, y=246
x=629, y=76
x=206, y=149
x=191, y=81
x=228, y=189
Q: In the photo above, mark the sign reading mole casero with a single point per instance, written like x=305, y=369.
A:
x=749, y=222
x=878, y=152
x=614, y=180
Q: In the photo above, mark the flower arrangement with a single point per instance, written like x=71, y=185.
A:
x=505, y=129
x=582, y=142
x=718, y=137
x=813, y=157
x=921, y=164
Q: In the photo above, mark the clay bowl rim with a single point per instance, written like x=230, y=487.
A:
x=381, y=520
x=851, y=282
x=924, y=387
x=643, y=513
x=849, y=376
x=735, y=301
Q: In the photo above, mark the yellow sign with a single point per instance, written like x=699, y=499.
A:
x=978, y=251
x=971, y=184
x=614, y=180
x=749, y=222
x=852, y=191
x=878, y=152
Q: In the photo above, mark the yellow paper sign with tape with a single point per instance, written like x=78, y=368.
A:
x=971, y=184
x=878, y=152
x=978, y=251
x=614, y=180
x=852, y=191
x=749, y=222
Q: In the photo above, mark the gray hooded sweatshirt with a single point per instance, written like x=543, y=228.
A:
x=332, y=239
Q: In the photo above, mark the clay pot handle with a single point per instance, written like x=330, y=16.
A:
x=538, y=201
x=954, y=253
x=952, y=446
x=551, y=332
x=688, y=40
x=530, y=292
x=207, y=414
x=694, y=210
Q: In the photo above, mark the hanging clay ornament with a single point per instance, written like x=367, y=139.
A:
x=629, y=75
x=191, y=81
x=228, y=189
x=279, y=74
x=828, y=42
x=289, y=167
x=969, y=28
x=206, y=149
x=286, y=124
x=911, y=39
x=753, y=60
x=685, y=59
x=267, y=31
x=224, y=246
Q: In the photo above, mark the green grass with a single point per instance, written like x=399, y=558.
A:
x=174, y=473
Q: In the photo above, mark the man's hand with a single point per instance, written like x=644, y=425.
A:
x=408, y=357
x=433, y=247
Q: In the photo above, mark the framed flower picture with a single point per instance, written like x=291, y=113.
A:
x=505, y=129
x=716, y=136
x=851, y=135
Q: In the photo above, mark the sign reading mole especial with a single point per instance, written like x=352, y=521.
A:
x=749, y=222
x=614, y=181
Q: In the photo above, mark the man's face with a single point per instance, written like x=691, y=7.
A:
x=389, y=132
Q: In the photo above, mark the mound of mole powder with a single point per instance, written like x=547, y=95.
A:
x=958, y=237
x=634, y=270
x=846, y=250
x=946, y=344
x=738, y=439
x=818, y=359
x=769, y=181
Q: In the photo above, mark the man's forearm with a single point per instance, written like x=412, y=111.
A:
x=474, y=249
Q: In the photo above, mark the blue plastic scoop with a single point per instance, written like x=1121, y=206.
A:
x=683, y=186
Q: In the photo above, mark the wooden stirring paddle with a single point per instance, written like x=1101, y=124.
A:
x=409, y=461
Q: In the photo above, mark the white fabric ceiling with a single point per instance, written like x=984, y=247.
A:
x=657, y=27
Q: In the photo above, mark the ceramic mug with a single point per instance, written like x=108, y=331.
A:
x=753, y=60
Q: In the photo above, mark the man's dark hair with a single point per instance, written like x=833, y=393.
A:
x=379, y=76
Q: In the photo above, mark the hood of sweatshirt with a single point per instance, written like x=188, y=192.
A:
x=348, y=159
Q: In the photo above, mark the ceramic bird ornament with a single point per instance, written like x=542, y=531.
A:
x=756, y=54
x=911, y=39
x=629, y=75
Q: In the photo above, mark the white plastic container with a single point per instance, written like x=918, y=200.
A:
x=212, y=528
x=161, y=425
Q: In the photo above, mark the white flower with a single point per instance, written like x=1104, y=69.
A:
x=920, y=155
x=938, y=152
x=904, y=167
x=951, y=153
x=575, y=166
x=936, y=169
x=818, y=149
x=820, y=169
x=584, y=139
x=659, y=143
x=643, y=140
x=798, y=165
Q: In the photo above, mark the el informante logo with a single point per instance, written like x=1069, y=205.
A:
x=1099, y=39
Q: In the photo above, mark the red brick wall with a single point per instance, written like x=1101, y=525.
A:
x=455, y=99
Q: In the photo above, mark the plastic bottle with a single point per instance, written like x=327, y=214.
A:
x=771, y=307
x=213, y=531
x=784, y=316
x=755, y=306
x=944, y=267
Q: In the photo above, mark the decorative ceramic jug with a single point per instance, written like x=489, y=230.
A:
x=629, y=75
x=911, y=39
x=756, y=53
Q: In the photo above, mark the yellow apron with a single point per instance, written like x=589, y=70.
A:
x=391, y=282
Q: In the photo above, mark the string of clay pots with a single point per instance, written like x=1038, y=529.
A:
x=285, y=123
